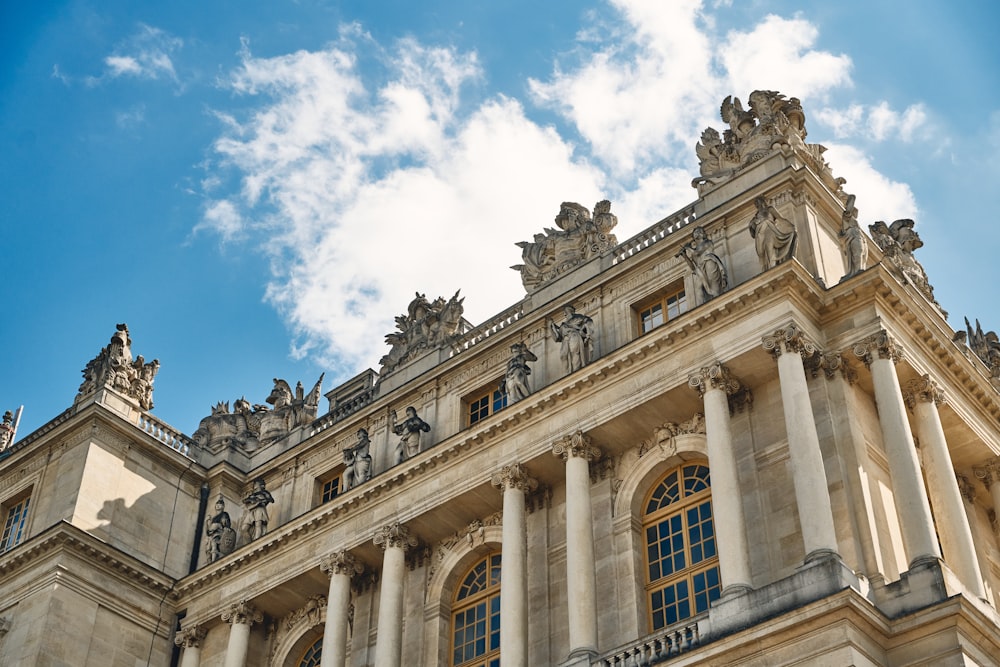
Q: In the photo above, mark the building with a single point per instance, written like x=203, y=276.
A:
x=696, y=446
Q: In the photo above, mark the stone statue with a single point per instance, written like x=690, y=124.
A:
x=250, y=427
x=516, y=379
x=426, y=326
x=220, y=538
x=771, y=122
x=986, y=346
x=579, y=238
x=707, y=270
x=773, y=234
x=409, y=432
x=114, y=368
x=853, y=240
x=7, y=430
x=357, y=461
x=577, y=334
x=897, y=242
x=254, y=524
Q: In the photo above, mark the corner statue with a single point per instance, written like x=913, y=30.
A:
x=773, y=234
x=220, y=538
x=254, y=524
x=577, y=334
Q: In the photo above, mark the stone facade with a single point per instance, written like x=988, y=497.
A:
x=754, y=359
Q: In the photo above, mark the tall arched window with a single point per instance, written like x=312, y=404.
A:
x=681, y=556
x=476, y=616
x=312, y=655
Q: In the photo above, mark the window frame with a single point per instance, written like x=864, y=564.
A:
x=334, y=475
x=664, y=299
x=490, y=398
x=9, y=539
x=485, y=596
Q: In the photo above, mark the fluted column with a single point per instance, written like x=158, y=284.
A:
x=514, y=483
x=240, y=616
x=190, y=639
x=923, y=397
x=715, y=384
x=581, y=569
x=394, y=540
x=880, y=355
x=340, y=566
x=789, y=346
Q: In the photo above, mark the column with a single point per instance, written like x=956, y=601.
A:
x=880, y=355
x=581, y=575
x=923, y=397
x=394, y=540
x=190, y=639
x=789, y=346
x=716, y=384
x=340, y=567
x=240, y=616
x=514, y=482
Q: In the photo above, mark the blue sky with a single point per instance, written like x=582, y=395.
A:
x=258, y=188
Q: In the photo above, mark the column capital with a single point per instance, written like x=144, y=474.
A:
x=789, y=339
x=394, y=535
x=340, y=562
x=191, y=636
x=242, y=613
x=989, y=472
x=966, y=488
x=514, y=476
x=575, y=446
x=878, y=345
x=715, y=376
x=922, y=390
x=831, y=363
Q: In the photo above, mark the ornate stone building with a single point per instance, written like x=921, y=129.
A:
x=746, y=435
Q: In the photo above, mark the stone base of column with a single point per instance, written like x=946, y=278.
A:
x=579, y=658
x=927, y=582
x=816, y=579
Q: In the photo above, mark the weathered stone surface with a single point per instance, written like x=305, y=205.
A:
x=114, y=368
x=425, y=326
x=898, y=241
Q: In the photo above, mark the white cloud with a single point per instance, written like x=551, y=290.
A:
x=145, y=55
x=878, y=122
x=878, y=197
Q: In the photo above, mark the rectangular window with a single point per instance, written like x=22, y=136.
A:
x=329, y=487
x=15, y=520
x=485, y=402
x=662, y=308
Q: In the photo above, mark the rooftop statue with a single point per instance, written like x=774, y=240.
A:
x=409, y=432
x=254, y=523
x=576, y=336
x=579, y=238
x=7, y=430
x=986, y=346
x=771, y=122
x=114, y=368
x=773, y=234
x=249, y=427
x=516, y=378
x=425, y=326
x=357, y=461
x=853, y=240
x=898, y=241
x=707, y=270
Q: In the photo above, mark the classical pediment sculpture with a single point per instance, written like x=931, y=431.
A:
x=898, y=241
x=409, y=434
x=516, y=380
x=771, y=122
x=249, y=427
x=579, y=238
x=425, y=326
x=220, y=538
x=114, y=368
x=852, y=240
x=577, y=337
x=708, y=273
x=774, y=235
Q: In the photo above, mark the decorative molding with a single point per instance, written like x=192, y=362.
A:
x=923, y=390
x=242, y=613
x=989, y=472
x=540, y=499
x=341, y=562
x=309, y=614
x=394, y=535
x=830, y=363
x=576, y=446
x=790, y=339
x=877, y=344
x=718, y=376
x=191, y=637
x=966, y=488
x=470, y=536
x=514, y=476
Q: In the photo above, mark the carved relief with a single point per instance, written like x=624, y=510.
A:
x=830, y=363
x=249, y=427
x=877, y=345
x=774, y=235
x=852, y=241
x=114, y=368
x=470, y=536
x=898, y=241
x=578, y=239
x=577, y=337
x=708, y=273
x=425, y=326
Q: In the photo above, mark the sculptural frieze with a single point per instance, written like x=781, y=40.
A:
x=898, y=241
x=427, y=325
x=579, y=238
x=409, y=431
x=577, y=337
x=114, y=368
x=708, y=273
x=516, y=379
x=357, y=461
x=251, y=426
x=774, y=235
x=770, y=122
x=852, y=240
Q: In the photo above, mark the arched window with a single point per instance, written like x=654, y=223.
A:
x=681, y=556
x=476, y=616
x=312, y=655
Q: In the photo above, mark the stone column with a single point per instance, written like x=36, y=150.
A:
x=340, y=566
x=923, y=397
x=789, y=346
x=240, y=617
x=581, y=569
x=394, y=540
x=880, y=355
x=514, y=482
x=989, y=472
x=716, y=384
x=190, y=639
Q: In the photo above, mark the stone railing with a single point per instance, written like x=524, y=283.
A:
x=173, y=439
x=344, y=410
x=490, y=327
x=655, y=648
x=654, y=234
